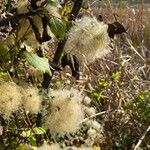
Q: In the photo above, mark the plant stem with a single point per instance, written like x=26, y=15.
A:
x=61, y=44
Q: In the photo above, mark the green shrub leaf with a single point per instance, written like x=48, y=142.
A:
x=39, y=130
x=57, y=27
x=38, y=62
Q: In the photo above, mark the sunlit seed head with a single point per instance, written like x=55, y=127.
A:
x=86, y=100
x=91, y=133
x=88, y=40
x=23, y=6
x=31, y=99
x=49, y=147
x=33, y=72
x=66, y=111
x=95, y=125
x=89, y=111
x=89, y=142
x=10, y=98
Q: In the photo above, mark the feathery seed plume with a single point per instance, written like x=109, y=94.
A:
x=87, y=40
x=95, y=125
x=31, y=99
x=89, y=111
x=10, y=98
x=35, y=73
x=86, y=100
x=49, y=147
x=91, y=133
x=66, y=112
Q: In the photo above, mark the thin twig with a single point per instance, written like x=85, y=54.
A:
x=92, y=116
x=141, y=139
x=133, y=48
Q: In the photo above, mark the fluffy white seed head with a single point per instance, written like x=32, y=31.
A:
x=86, y=100
x=35, y=73
x=88, y=40
x=89, y=111
x=66, y=111
x=31, y=99
x=10, y=98
x=89, y=142
x=91, y=133
x=49, y=147
x=95, y=125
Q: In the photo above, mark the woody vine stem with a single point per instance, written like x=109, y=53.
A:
x=74, y=12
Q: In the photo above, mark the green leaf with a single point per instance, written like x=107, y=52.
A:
x=116, y=75
x=97, y=94
x=57, y=27
x=32, y=140
x=30, y=135
x=38, y=62
x=27, y=133
x=103, y=83
x=39, y=130
x=4, y=52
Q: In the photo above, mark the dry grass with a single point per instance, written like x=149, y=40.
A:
x=136, y=18
x=121, y=77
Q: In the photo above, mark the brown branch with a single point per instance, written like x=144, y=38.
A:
x=75, y=10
